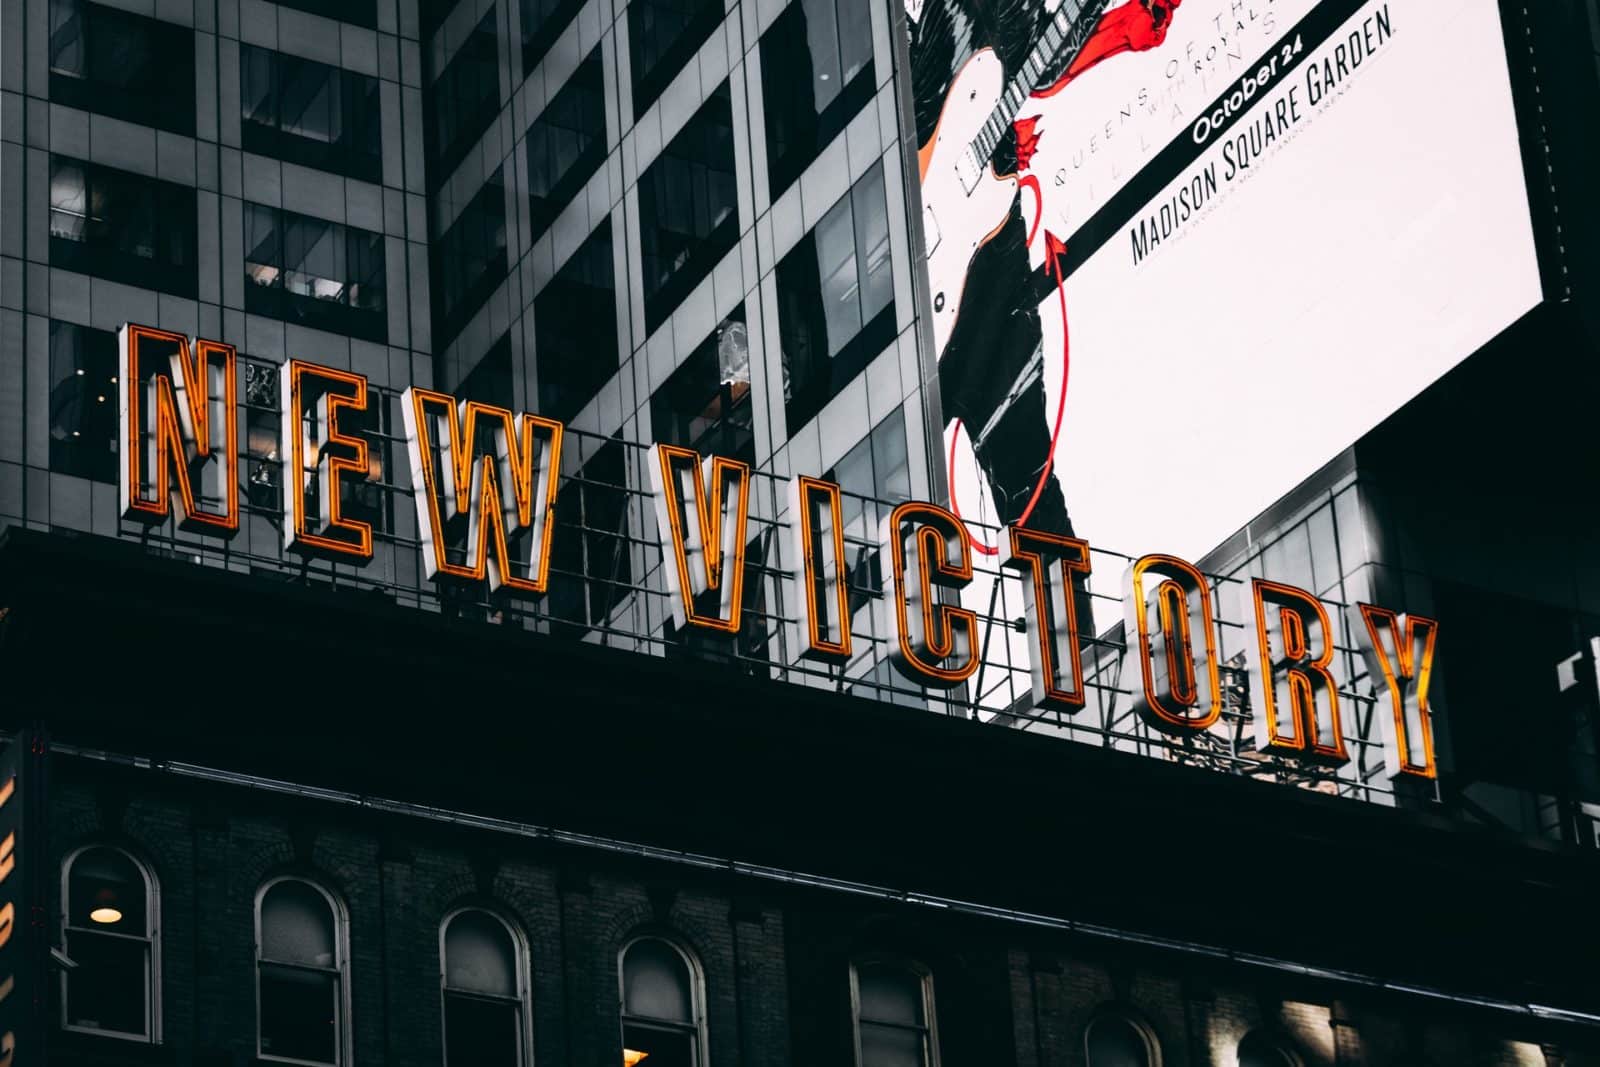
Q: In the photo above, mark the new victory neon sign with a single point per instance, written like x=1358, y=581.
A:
x=485, y=491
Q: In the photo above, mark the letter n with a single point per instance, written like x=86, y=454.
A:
x=1398, y=650
x=178, y=415
x=507, y=489
x=702, y=509
x=1292, y=693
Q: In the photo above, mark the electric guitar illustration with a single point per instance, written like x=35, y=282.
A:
x=964, y=201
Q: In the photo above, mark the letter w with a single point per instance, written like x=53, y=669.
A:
x=476, y=469
x=702, y=509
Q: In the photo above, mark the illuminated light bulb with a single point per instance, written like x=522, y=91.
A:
x=105, y=915
x=630, y=1057
x=80, y=372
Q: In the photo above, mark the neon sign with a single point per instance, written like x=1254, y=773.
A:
x=485, y=490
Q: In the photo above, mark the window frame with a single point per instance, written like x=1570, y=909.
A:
x=930, y=1015
x=342, y=1046
x=697, y=995
x=524, y=977
x=152, y=940
x=1123, y=1014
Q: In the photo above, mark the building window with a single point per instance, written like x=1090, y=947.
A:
x=688, y=208
x=662, y=36
x=662, y=1019
x=120, y=64
x=469, y=260
x=301, y=967
x=314, y=272
x=542, y=23
x=83, y=401
x=816, y=73
x=357, y=12
x=485, y=991
x=589, y=547
x=310, y=113
x=835, y=299
x=111, y=935
x=1117, y=1040
x=263, y=423
x=463, y=100
x=893, y=1015
x=705, y=403
x=1259, y=1049
x=566, y=143
x=575, y=328
x=123, y=227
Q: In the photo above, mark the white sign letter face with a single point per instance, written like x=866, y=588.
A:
x=465, y=492
x=1046, y=562
x=1167, y=616
x=1398, y=650
x=816, y=519
x=702, y=510
x=926, y=548
x=178, y=415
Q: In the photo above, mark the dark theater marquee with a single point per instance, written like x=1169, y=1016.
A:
x=485, y=496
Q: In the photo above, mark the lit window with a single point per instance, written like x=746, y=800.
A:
x=893, y=1015
x=110, y=934
x=318, y=273
x=83, y=401
x=1115, y=1040
x=301, y=964
x=121, y=226
x=484, y=992
x=1263, y=1050
x=662, y=1022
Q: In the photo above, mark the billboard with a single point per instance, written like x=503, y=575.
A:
x=1183, y=252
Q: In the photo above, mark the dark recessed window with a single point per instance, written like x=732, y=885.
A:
x=575, y=328
x=1115, y=1040
x=490, y=381
x=566, y=143
x=431, y=15
x=310, y=113
x=835, y=299
x=124, y=65
x=816, y=73
x=122, y=226
x=688, y=208
x=300, y=968
x=83, y=401
x=705, y=404
x=483, y=992
x=661, y=1011
x=662, y=36
x=589, y=561
x=463, y=100
x=111, y=937
x=262, y=425
x=894, y=1013
x=314, y=272
x=469, y=260
x=1262, y=1050
x=358, y=12
x=542, y=22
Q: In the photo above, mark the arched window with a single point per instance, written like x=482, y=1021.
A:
x=1259, y=1049
x=109, y=930
x=1116, y=1040
x=662, y=1007
x=302, y=986
x=485, y=991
